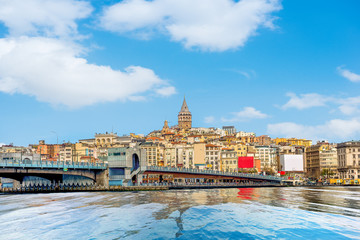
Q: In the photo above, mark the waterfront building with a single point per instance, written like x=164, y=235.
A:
x=349, y=160
x=212, y=157
x=184, y=117
x=329, y=162
x=170, y=155
x=229, y=160
x=48, y=151
x=23, y=156
x=179, y=155
x=103, y=141
x=15, y=149
x=199, y=155
x=185, y=156
x=268, y=157
x=154, y=153
x=67, y=153
x=124, y=163
x=84, y=152
x=319, y=158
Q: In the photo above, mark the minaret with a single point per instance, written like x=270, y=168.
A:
x=184, y=117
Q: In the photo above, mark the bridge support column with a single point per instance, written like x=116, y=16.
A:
x=102, y=178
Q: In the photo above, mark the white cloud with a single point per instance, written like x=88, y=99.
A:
x=52, y=71
x=246, y=114
x=166, y=91
x=210, y=26
x=41, y=57
x=209, y=119
x=304, y=101
x=350, y=106
x=353, y=77
x=247, y=74
x=2, y=144
x=336, y=129
x=347, y=106
x=43, y=17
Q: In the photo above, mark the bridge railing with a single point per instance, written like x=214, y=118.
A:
x=51, y=164
x=209, y=172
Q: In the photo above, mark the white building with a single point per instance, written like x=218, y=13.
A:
x=267, y=156
x=245, y=134
x=292, y=163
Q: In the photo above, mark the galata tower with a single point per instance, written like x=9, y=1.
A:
x=184, y=117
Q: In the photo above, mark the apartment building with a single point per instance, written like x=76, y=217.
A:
x=348, y=154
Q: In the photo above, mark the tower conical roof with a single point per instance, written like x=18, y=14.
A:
x=184, y=107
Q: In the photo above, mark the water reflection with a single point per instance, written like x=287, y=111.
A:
x=243, y=213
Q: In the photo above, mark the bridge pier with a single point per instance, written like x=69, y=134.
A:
x=102, y=178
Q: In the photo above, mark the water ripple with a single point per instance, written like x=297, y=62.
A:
x=261, y=213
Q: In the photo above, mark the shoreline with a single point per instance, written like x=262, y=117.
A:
x=152, y=188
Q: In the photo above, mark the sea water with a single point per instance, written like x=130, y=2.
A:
x=236, y=213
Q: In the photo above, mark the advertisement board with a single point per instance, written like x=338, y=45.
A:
x=245, y=162
x=292, y=163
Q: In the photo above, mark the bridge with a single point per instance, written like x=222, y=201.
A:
x=98, y=173
x=53, y=171
x=209, y=175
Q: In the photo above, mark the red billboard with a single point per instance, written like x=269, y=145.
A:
x=245, y=162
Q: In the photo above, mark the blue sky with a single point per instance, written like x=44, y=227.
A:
x=69, y=69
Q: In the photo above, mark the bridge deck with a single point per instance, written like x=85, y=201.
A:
x=210, y=172
x=51, y=164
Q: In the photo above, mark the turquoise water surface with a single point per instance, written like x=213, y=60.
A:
x=247, y=213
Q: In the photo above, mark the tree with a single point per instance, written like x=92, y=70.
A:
x=326, y=172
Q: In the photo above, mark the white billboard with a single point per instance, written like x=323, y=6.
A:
x=292, y=163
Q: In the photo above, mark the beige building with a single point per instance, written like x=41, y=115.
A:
x=103, y=141
x=199, y=155
x=229, y=160
x=106, y=139
x=245, y=134
x=84, y=152
x=212, y=157
x=66, y=153
x=268, y=157
x=291, y=150
x=329, y=162
x=320, y=159
x=179, y=155
x=349, y=160
x=154, y=153
x=185, y=156
x=170, y=155
x=292, y=142
x=240, y=149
